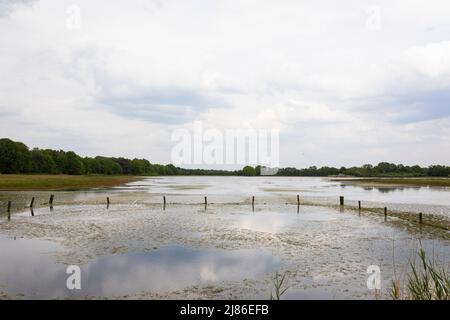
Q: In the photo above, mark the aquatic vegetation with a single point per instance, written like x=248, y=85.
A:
x=427, y=281
x=280, y=287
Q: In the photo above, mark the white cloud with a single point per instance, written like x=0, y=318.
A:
x=340, y=93
x=431, y=60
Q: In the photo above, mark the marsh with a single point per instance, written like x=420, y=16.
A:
x=137, y=248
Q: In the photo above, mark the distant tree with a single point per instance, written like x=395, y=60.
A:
x=249, y=171
x=438, y=171
x=89, y=165
x=171, y=170
x=417, y=171
x=125, y=164
x=159, y=169
x=42, y=162
x=290, y=172
x=72, y=164
x=141, y=167
x=367, y=170
x=101, y=165
x=310, y=172
x=14, y=157
x=326, y=171
x=59, y=157
x=107, y=166
x=386, y=168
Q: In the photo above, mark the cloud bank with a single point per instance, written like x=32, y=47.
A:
x=345, y=84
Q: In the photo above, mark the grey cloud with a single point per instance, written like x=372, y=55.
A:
x=159, y=105
x=167, y=105
x=421, y=106
x=407, y=107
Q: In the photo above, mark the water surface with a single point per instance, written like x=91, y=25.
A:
x=29, y=269
x=136, y=248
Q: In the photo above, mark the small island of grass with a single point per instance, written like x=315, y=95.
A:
x=13, y=182
x=427, y=181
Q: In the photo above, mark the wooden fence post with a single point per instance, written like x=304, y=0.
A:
x=164, y=200
x=32, y=202
x=50, y=202
x=9, y=210
x=341, y=200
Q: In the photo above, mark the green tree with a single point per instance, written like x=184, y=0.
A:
x=42, y=161
x=125, y=165
x=102, y=165
x=73, y=164
x=14, y=157
x=249, y=171
x=140, y=167
x=438, y=171
x=171, y=170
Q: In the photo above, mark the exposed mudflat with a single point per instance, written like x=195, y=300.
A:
x=136, y=249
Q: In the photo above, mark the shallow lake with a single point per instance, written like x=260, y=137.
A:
x=270, y=186
x=136, y=248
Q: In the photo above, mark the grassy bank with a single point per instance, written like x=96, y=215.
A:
x=55, y=182
x=437, y=182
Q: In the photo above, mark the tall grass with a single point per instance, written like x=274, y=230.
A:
x=424, y=282
x=63, y=182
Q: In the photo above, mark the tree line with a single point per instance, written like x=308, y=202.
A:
x=16, y=157
x=383, y=169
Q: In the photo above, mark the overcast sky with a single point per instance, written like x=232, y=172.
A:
x=345, y=82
